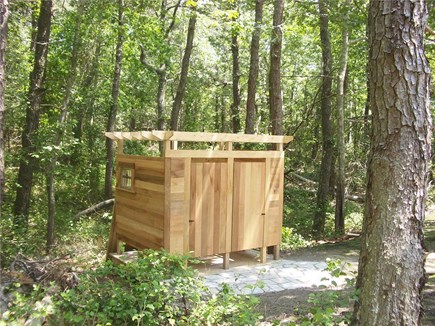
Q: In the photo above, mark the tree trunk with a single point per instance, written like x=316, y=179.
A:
x=275, y=93
x=235, y=106
x=391, y=264
x=28, y=161
x=327, y=130
x=253, y=68
x=183, y=74
x=160, y=99
x=341, y=180
x=4, y=15
x=108, y=192
x=50, y=171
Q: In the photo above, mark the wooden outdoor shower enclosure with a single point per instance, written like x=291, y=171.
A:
x=206, y=202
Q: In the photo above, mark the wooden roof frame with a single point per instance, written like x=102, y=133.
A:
x=158, y=135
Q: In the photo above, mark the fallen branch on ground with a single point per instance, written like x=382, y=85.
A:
x=94, y=208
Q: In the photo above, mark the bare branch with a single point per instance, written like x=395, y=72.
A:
x=174, y=15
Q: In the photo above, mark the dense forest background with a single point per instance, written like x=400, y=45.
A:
x=121, y=65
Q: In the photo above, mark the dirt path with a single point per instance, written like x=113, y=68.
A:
x=287, y=305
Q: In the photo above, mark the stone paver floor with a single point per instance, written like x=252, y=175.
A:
x=246, y=275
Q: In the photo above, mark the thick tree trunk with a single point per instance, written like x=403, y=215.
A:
x=28, y=162
x=50, y=171
x=108, y=192
x=391, y=265
x=235, y=106
x=327, y=130
x=341, y=180
x=275, y=93
x=253, y=68
x=183, y=74
x=4, y=15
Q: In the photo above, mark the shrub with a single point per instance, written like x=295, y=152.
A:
x=157, y=289
x=292, y=240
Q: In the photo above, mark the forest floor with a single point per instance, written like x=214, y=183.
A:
x=289, y=305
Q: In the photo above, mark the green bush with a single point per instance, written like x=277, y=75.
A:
x=292, y=240
x=331, y=307
x=157, y=289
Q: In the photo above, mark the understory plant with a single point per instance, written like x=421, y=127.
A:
x=292, y=240
x=157, y=289
x=331, y=307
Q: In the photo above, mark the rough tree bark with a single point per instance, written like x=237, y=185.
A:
x=4, y=15
x=37, y=77
x=181, y=89
x=253, y=68
x=235, y=106
x=50, y=171
x=391, y=265
x=275, y=93
x=327, y=130
x=341, y=180
x=108, y=191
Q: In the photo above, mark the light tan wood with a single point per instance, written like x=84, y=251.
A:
x=198, y=137
x=187, y=203
x=167, y=206
x=263, y=255
x=226, y=262
x=223, y=154
x=229, y=213
x=276, y=252
x=220, y=137
x=248, y=201
x=120, y=146
x=206, y=202
x=208, y=207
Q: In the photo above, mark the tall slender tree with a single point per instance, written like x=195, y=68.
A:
x=181, y=89
x=327, y=130
x=235, y=106
x=61, y=125
x=253, y=68
x=37, y=78
x=4, y=15
x=161, y=70
x=341, y=180
x=108, y=191
x=275, y=92
x=391, y=264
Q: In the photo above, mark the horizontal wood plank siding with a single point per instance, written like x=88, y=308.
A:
x=200, y=201
x=140, y=212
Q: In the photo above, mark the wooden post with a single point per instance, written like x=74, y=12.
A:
x=226, y=263
x=187, y=170
x=120, y=143
x=229, y=222
x=263, y=254
x=276, y=252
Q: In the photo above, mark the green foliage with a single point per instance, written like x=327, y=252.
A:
x=299, y=210
x=226, y=308
x=292, y=240
x=157, y=289
x=325, y=305
x=35, y=305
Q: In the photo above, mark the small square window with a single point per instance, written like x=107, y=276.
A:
x=126, y=177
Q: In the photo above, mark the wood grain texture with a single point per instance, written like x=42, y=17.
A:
x=201, y=204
